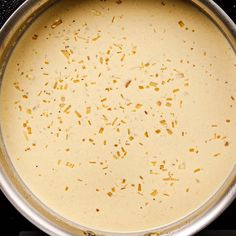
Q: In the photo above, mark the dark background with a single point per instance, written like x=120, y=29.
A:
x=12, y=223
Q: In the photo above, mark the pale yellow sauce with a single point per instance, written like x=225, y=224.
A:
x=120, y=115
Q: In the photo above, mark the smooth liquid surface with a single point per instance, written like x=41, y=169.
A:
x=120, y=115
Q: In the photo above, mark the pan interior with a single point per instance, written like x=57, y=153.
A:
x=120, y=115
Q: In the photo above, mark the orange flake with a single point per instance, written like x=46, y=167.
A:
x=128, y=83
x=66, y=53
x=88, y=110
x=217, y=154
x=67, y=109
x=163, y=122
x=153, y=84
x=138, y=106
x=169, y=131
x=197, y=170
x=96, y=38
x=101, y=130
x=35, y=37
x=146, y=134
x=158, y=131
x=56, y=23
x=175, y=90
x=154, y=193
x=181, y=23
x=139, y=187
x=78, y=114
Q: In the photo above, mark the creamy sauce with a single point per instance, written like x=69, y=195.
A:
x=120, y=115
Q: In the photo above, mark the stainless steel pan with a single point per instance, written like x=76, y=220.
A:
x=44, y=218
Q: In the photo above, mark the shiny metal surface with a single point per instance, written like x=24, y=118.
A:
x=53, y=224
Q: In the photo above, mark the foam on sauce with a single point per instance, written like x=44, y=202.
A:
x=120, y=115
